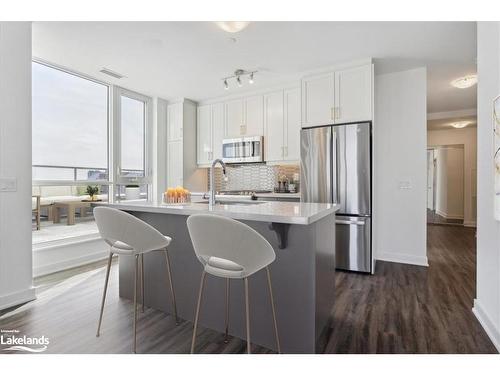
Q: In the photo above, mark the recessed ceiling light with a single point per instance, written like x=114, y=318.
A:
x=232, y=26
x=465, y=82
x=460, y=124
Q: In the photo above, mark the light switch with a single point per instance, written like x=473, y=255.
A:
x=404, y=185
x=8, y=184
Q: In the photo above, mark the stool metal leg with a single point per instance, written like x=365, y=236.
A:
x=135, y=301
x=274, y=311
x=172, y=294
x=227, y=310
x=247, y=315
x=142, y=280
x=104, y=292
x=200, y=294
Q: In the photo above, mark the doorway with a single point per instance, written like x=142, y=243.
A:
x=445, y=185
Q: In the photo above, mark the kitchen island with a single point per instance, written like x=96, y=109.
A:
x=303, y=274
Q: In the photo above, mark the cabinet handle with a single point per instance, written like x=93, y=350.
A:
x=286, y=150
x=332, y=113
x=282, y=151
x=338, y=113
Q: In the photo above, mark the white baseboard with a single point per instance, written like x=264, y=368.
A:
x=448, y=216
x=403, y=258
x=470, y=224
x=487, y=324
x=17, y=298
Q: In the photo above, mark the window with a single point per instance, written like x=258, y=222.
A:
x=133, y=121
x=70, y=126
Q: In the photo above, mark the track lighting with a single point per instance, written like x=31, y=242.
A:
x=237, y=75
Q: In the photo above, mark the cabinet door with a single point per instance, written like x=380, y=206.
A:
x=204, y=134
x=174, y=164
x=292, y=125
x=318, y=100
x=254, y=116
x=273, y=122
x=217, y=130
x=234, y=118
x=353, y=94
x=174, y=121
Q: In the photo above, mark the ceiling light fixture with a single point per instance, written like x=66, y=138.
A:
x=460, y=124
x=232, y=26
x=237, y=76
x=465, y=82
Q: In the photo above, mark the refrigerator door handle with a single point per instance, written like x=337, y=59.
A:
x=336, y=165
x=348, y=222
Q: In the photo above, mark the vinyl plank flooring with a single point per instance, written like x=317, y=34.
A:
x=399, y=309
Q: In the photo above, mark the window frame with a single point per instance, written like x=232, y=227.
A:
x=109, y=126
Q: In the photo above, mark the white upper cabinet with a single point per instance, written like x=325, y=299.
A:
x=175, y=175
x=234, y=118
x=274, y=125
x=217, y=130
x=318, y=99
x=254, y=116
x=245, y=117
x=292, y=124
x=282, y=124
x=342, y=96
x=175, y=120
x=353, y=94
x=204, y=134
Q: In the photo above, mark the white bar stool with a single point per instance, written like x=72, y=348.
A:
x=230, y=249
x=128, y=235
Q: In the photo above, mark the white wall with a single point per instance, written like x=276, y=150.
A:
x=400, y=178
x=450, y=182
x=441, y=181
x=487, y=302
x=468, y=138
x=15, y=162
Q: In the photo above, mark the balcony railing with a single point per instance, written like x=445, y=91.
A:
x=76, y=173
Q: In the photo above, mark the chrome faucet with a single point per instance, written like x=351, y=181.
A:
x=211, y=197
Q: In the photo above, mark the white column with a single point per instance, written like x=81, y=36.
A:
x=15, y=164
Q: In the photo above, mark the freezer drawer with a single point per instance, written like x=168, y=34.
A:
x=353, y=243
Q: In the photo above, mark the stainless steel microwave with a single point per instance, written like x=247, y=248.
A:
x=243, y=150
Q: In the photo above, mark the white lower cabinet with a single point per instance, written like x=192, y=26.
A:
x=282, y=124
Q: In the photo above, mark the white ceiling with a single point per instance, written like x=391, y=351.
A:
x=188, y=59
x=446, y=123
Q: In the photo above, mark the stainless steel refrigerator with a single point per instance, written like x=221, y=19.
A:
x=336, y=167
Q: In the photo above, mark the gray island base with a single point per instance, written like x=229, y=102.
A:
x=303, y=274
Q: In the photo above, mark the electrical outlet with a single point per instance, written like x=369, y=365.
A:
x=8, y=184
x=404, y=185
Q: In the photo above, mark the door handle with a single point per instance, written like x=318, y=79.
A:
x=348, y=222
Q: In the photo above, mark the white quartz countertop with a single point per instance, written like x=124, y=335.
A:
x=277, y=212
x=278, y=195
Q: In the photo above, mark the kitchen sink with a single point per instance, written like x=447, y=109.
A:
x=234, y=203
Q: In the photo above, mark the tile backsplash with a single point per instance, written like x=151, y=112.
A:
x=252, y=176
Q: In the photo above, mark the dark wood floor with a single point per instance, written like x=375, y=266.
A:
x=400, y=309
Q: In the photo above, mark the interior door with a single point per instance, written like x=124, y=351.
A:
x=354, y=174
x=316, y=166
